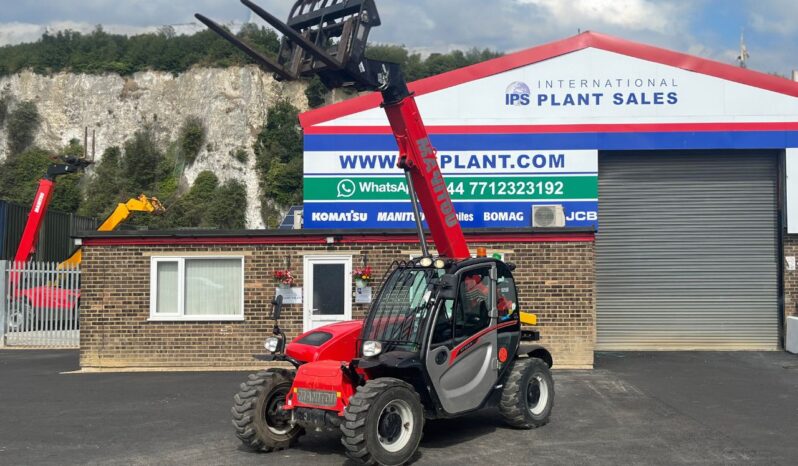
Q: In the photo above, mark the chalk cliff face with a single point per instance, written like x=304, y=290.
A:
x=232, y=102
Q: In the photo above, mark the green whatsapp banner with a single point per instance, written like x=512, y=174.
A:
x=508, y=188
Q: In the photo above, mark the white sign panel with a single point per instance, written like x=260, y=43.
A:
x=363, y=295
x=792, y=190
x=290, y=295
x=483, y=161
x=593, y=86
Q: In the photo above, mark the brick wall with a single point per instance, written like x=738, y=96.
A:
x=555, y=280
x=790, y=277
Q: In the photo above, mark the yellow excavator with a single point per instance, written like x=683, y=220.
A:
x=120, y=214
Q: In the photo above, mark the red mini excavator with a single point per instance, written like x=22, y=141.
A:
x=443, y=337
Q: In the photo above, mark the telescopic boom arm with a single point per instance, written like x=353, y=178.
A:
x=30, y=235
x=328, y=38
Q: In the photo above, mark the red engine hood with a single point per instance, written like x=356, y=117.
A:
x=341, y=346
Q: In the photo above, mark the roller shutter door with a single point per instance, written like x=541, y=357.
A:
x=686, y=251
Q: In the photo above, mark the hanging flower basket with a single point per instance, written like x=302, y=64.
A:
x=362, y=276
x=284, y=278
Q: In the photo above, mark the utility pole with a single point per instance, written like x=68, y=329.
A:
x=742, y=59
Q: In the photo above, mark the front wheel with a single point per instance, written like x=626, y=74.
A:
x=383, y=423
x=258, y=416
x=528, y=394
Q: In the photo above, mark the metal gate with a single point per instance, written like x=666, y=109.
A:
x=39, y=305
x=686, y=252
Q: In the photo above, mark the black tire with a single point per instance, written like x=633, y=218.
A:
x=257, y=412
x=528, y=394
x=383, y=423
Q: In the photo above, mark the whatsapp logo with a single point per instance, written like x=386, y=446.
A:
x=346, y=188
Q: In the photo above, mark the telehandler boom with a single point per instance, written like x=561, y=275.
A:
x=122, y=212
x=443, y=337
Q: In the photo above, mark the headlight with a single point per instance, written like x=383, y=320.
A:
x=425, y=261
x=271, y=344
x=440, y=263
x=371, y=348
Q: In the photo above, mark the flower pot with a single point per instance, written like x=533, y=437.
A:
x=360, y=283
x=283, y=285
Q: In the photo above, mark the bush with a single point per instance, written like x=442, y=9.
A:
x=316, y=93
x=23, y=121
x=240, y=154
x=191, y=138
x=140, y=162
x=228, y=209
x=3, y=110
x=105, y=187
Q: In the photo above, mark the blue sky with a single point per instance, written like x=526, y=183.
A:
x=707, y=28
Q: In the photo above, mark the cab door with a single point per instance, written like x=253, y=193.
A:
x=461, y=349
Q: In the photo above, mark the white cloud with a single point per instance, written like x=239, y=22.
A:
x=635, y=15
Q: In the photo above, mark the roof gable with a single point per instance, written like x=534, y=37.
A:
x=535, y=55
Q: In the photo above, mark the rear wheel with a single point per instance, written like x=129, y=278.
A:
x=20, y=316
x=258, y=416
x=528, y=394
x=383, y=423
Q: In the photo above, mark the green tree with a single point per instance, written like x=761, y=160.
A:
x=21, y=127
x=191, y=138
x=20, y=177
x=228, y=208
x=278, y=157
x=191, y=209
x=104, y=188
x=140, y=162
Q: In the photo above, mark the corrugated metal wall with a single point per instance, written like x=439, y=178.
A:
x=687, y=251
x=55, y=236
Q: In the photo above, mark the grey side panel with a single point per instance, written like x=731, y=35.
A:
x=463, y=385
x=686, y=253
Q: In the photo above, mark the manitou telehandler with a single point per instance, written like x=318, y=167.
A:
x=443, y=337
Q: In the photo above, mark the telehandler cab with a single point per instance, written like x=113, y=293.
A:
x=443, y=337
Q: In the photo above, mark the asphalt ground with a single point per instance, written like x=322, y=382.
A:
x=634, y=408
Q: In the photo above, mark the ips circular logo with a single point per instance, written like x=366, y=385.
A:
x=517, y=94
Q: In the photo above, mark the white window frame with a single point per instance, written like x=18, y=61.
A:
x=181, y=277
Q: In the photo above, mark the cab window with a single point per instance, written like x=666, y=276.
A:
x=472, y=313
x=507, y=298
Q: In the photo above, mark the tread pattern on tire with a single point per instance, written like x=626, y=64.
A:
x=244, y=412
x=354, y=426
x=511, y=405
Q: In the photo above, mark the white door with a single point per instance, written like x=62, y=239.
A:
x=328, y=290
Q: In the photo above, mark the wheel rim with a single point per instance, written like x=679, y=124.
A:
x=277, y=420
x=395, y=426
x=16, y=319
x=537, y=395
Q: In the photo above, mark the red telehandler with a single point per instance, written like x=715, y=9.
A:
x=24, y=297
x=443, y=337
x=41, y=201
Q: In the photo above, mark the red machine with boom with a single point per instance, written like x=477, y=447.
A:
x=30, y=235
x=443, y=337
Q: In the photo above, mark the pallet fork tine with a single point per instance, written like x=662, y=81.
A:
x=262, y=60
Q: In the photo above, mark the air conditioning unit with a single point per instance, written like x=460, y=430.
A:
x=548, y=216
